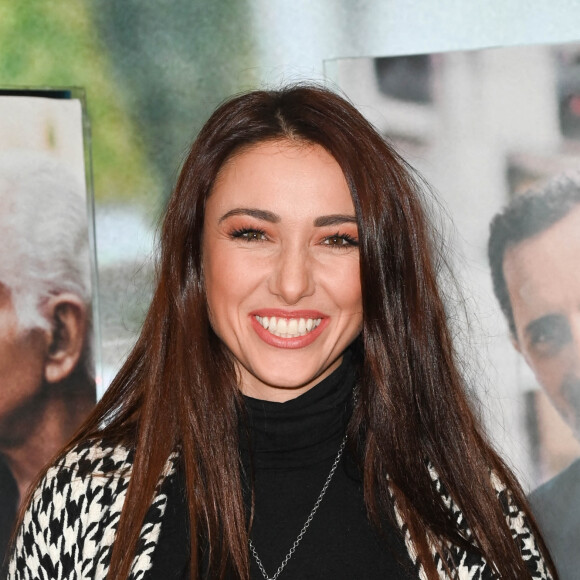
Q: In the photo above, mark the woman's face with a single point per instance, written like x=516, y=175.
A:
x=281, y=266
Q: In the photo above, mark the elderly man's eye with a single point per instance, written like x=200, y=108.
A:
x=548, y=335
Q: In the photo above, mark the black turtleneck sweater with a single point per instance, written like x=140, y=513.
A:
x=287, y=456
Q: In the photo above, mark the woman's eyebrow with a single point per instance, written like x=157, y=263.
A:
x=268, y=216
x=334, y=220
x=260, y=214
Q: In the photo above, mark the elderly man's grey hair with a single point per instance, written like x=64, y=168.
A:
x=43, y=234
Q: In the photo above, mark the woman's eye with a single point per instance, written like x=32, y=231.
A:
x=340, y=241
x=249, y=235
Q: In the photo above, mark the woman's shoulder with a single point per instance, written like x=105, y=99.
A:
x=90, y=464
x=73, y=513
x=95, y=458
x=469, y=562
x=69, y=527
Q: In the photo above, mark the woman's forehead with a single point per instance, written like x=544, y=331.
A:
x=283, y=177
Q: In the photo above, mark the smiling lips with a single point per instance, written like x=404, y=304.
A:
x=288, y=327
x=288, y=330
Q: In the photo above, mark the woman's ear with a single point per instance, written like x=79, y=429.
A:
x=68, y=318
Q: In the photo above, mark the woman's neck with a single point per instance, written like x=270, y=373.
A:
x=304, y=430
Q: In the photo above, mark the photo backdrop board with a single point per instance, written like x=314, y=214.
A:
x=482, y=127
x=48, y=320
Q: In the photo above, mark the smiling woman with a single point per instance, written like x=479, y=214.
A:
x=281, y=267
x=292, y=408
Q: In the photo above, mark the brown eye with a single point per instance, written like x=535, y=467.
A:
x=249, y=235
x=340, y=241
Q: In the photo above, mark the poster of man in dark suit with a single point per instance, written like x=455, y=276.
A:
x=534, y=254
x=488, y=130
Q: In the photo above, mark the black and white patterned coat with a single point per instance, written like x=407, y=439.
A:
x=69, y=528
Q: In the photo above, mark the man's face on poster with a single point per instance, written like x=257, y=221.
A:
x=22, y=357
x=543, y=280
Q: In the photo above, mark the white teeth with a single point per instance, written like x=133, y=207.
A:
x=288, y=327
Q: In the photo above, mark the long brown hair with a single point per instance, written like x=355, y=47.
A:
x=178, y=389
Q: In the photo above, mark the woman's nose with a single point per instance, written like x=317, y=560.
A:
x=292, y=278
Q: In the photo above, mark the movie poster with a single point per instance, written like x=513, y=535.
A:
x=47, y=350
x=496, y=134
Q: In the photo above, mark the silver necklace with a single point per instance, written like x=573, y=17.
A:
x=306, y=523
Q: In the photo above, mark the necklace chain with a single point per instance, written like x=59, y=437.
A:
x=306, y=523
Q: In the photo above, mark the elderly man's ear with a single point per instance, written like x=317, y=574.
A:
x=68, y=316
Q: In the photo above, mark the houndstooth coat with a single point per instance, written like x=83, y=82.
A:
x=69, y=528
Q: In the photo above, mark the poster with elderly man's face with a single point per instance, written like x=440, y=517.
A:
x=47, y=372
x=496, y=133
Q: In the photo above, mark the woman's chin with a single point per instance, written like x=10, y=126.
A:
x=282, y=384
